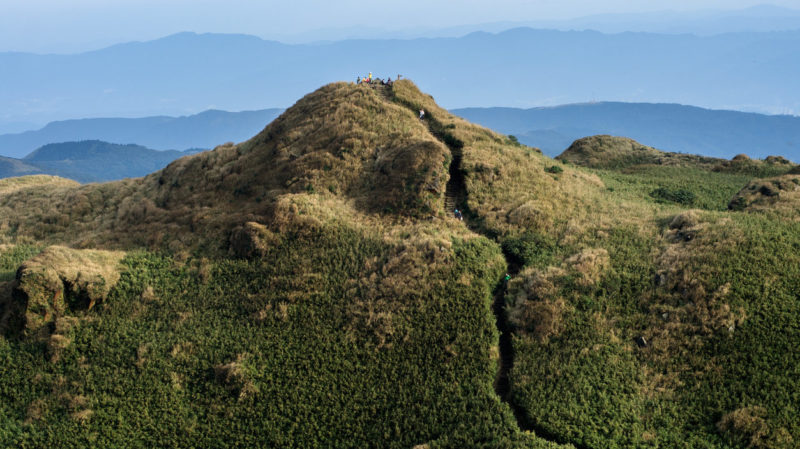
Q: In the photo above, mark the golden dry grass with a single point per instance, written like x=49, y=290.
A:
x=60, y=280
x=10, y=185
x=342, y=141
x=778, y=196
x=605, y=151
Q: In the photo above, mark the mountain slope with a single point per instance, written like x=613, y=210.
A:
x=310, y=287
x=10, y=167
x=329, y=321
x=609, y=152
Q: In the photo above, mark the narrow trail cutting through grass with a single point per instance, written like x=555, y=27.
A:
x=455, y=197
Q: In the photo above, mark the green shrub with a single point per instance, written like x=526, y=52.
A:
x=680, y=196
x=555, y=169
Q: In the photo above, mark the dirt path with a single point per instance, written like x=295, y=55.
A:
x=455, y=197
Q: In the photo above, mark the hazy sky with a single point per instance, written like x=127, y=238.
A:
x=71, y=25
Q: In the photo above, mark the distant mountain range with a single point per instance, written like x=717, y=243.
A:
x=669, y=127
x=205, y=130
x=760, y=18
x=519, y=68
x=90, y=161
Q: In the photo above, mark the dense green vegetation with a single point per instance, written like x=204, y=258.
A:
x=12, y=256
x=699, y=188
x=271, y=352
x=591, y=385
x=339, y=324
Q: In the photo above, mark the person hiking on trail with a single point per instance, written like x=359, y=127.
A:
x=421, y=114
x=389, y=81
x=370, y=77
x=458, y=215
x=507, y=278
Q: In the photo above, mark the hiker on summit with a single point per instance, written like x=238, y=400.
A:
x=370, y=77
x=421, y=114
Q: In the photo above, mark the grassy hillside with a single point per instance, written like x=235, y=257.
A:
x=310, y=288
x=612, y=152
x=296, y=293
x=603, y=263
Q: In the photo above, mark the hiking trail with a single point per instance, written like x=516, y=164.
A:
x=455, y=197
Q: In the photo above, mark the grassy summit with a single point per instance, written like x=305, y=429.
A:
x=310, y=288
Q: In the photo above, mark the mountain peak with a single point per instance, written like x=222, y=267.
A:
x=359, y=144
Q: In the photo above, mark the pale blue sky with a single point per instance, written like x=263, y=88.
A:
x=66, y=26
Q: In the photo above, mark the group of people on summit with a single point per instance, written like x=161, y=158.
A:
x=370, y=80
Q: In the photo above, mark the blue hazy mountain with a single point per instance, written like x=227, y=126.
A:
x=90, y=161
x=10, y=167
x=760, y=18
x=669, y=127
x=519, y=68
x=205, y=130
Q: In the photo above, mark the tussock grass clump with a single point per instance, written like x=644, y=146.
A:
x=252, y=240
x=589, y=264
x=606, y=151
x=236, y=377
x=534, y=304
x=685, y=220
x=748, y=427
x=779, y=196
x=535, y=300
x=61, y=280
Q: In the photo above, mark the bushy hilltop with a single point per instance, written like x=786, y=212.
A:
x=310, y=287
x=779, y=195
x=611, y=152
